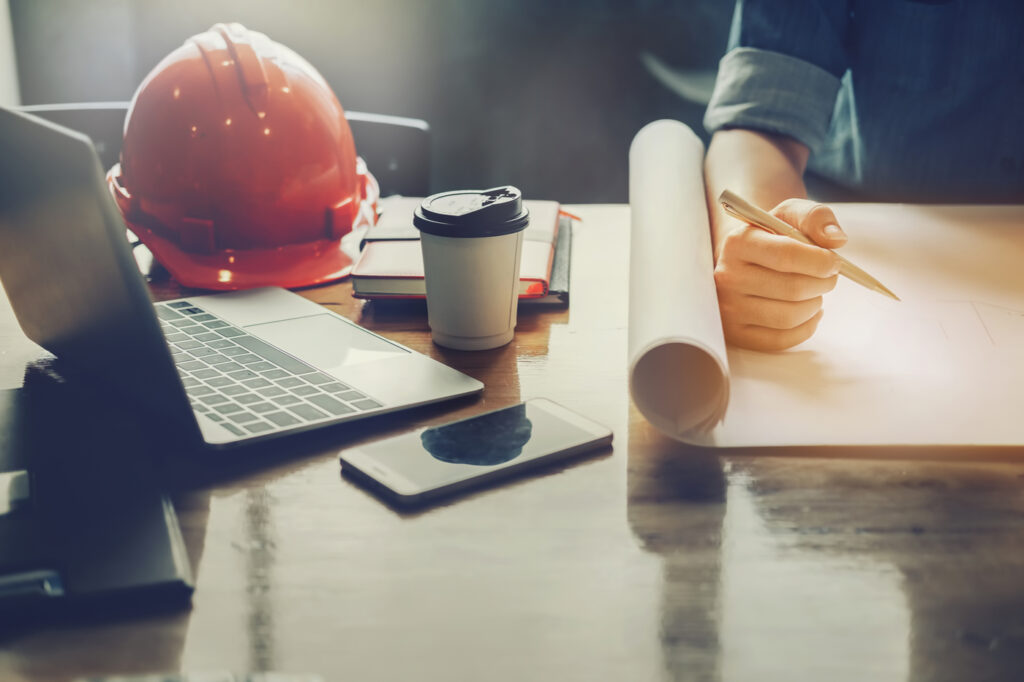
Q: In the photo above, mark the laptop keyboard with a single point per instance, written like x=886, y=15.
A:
x=244, y=383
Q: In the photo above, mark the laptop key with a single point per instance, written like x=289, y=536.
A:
x=203, y=352
x=175, y=338
x=262, y=407
x=215, y=324
x=282, y=418
x=305, y=390
x=230, y=332
x=291, y=382
x=222, y=344
x=286, y=400
x=165, y=313
x=233, y=350
x=182, y=323
x=351, y=395
x=219, y=381
x=199, y=390
x=180, y=304
x=248, y=398
x=257, y=383
x=334, y=387
x=318, y=378
x=271, y=391
x=216, y=359
x=367, y=404
x=243, y=374
x=213, y=399
x=276, y=374
x=228, y=408
x=326, y=402
x=261, y=366
x=192, y=365
x=258, y=427
x=205, y=317
x=233, y=429
x=208, y=336
x=239, y=417
x=307, y=412
x=247, y=358
x=230, y=367
x=208, y=373
x=234, y=389
x=188, y=345
x=215, y=417
x=189, y=382
x=271, y=354
x=192, y=329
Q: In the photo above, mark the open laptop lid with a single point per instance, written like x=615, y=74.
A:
x=68, y=270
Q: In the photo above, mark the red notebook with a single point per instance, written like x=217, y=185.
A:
x=391, y=264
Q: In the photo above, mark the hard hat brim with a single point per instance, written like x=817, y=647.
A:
x=291, y=266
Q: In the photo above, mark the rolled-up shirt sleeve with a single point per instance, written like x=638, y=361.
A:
x=783, y=69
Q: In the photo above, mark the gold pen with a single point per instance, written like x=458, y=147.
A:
x=748, y=212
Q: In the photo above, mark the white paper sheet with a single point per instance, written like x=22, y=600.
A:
x=945, y=366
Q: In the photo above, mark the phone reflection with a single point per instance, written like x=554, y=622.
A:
x=487, y=440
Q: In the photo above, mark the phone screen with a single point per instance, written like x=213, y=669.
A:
x=453, y=452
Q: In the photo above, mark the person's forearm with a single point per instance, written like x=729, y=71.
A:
x=763, y=168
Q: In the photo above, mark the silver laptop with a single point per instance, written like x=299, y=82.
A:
x=221, y=369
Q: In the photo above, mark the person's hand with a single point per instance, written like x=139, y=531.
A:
x=770, y=287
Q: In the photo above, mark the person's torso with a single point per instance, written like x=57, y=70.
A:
x=932, y=107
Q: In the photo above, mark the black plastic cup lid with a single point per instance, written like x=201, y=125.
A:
x=473, y=213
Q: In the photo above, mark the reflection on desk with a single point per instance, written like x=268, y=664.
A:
x=657, y=562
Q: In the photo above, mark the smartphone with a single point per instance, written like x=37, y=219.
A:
x=417, y=467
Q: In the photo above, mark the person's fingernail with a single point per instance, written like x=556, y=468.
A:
x=833, y=232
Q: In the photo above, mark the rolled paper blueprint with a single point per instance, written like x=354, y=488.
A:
x=678, y=366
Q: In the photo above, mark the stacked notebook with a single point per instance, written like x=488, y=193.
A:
x=390, y=265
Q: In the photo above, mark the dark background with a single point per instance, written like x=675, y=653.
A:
x=545, y=95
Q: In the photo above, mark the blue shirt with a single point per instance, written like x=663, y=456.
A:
x=897, y=99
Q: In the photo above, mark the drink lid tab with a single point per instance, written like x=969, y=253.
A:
x=473, y=213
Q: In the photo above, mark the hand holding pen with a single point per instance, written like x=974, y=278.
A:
x=739, y=207
x=770, y=286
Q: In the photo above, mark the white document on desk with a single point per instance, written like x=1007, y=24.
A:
x=945, y=366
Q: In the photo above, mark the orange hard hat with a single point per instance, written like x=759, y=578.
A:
x=238, y=167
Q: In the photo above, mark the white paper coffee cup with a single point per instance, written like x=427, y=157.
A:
x=472, y=241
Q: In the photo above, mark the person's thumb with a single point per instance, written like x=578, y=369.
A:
x=815, y=220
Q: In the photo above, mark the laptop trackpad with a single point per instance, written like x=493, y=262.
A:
x=326, y=342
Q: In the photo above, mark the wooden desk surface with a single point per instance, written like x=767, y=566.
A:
x=651, y=562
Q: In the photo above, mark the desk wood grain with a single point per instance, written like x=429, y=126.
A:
x=653, y=561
